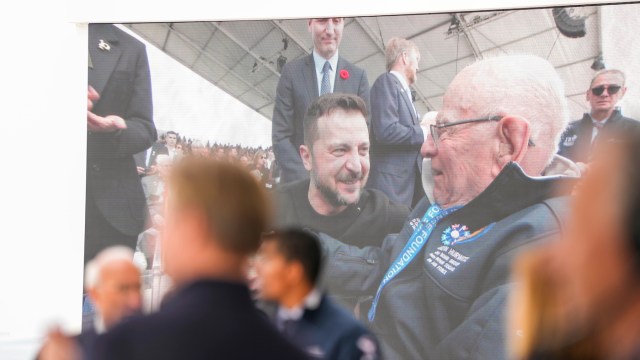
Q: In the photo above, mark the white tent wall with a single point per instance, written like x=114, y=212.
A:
x=240, y=57
x=619, y=26
x=185, y=102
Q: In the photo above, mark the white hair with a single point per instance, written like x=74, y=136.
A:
x=93, y=269
x=518, y=85
x=394, y=49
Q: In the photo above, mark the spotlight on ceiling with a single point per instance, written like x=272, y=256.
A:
x=598, y=63
x=570, y=21
x=455, y=23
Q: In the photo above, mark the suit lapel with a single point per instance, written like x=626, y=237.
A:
x=339, y=84
x=309, y=78
x=406, y=98
x=103, y=61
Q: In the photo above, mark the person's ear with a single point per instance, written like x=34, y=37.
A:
x=295, y=272
x=513, y=136
x=309, y=24
x=305, y=154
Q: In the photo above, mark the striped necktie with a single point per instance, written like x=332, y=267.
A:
x=325, y=85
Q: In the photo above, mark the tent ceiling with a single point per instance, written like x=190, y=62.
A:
x=241, y=57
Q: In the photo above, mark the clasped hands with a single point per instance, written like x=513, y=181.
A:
x=97, y=123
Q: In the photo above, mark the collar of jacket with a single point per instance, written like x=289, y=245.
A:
x=108, y=32
x=511, y=191
x=218, y=293
x=615, y=115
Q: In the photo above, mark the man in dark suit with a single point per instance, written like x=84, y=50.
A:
x=119, y=124
x=147, y=158
x=396, y=135
x=607, y=88
x=302, y=81
x=216, y=214
x=288, y=267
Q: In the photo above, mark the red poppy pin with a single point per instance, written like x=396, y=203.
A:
x=344, y=74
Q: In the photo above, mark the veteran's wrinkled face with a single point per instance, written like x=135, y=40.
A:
x=461, y=162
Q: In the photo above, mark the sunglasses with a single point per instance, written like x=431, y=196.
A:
x=611, y=89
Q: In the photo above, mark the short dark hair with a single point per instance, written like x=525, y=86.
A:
x=300, y=246
x=172, y=133
x=324, y=105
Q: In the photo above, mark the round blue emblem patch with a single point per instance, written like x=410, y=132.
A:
x=455, y=233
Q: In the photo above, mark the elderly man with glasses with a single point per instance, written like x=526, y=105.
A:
x=440, y=285
x=606, y=90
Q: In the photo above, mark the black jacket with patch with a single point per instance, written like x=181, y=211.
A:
x=575, y=143
x=448, y=303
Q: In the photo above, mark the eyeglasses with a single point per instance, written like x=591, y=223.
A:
x=436, y=130
x=611, y=89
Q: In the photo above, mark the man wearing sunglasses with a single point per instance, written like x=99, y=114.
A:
x=440, y=285
x=605, y=91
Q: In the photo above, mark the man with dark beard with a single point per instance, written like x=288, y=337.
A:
x=334, y=201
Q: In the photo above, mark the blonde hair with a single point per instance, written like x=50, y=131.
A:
x=395, y=47
x=236, y=207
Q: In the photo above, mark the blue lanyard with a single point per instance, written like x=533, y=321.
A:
x=416, y=242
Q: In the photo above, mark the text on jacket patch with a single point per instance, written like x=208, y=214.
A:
x=446, y=259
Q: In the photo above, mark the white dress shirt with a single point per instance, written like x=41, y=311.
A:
x=595, y=130
x=319, y=64
x=312, y=301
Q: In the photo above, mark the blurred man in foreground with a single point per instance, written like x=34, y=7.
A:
x=441, y=283
x=215, y=214
x=288, y=266
x=580, y=297
x=113, y=284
